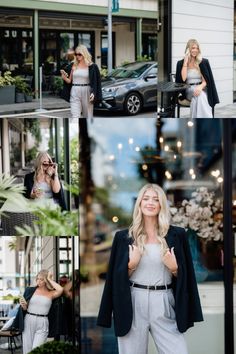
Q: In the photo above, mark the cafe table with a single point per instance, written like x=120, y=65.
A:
x=169, y=87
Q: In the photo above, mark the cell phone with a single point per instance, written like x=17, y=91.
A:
x=64, y=73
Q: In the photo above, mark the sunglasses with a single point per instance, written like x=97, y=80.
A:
x=79, y=54
x=47, y=164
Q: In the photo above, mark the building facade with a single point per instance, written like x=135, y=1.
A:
x=37, y=33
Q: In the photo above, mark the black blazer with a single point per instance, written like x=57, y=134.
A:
x=53, y=315
x=116, y=296
x=29, y=183
x=94, y=82
x=206, y=72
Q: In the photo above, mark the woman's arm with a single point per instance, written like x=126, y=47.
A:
x=54, y=181
x=58, y=288
x=184, y=69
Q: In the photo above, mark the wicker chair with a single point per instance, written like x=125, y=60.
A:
x=11, y=219
x=11, y=336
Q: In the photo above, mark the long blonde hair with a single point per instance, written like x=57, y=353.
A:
x=190, y=43
x=137, y=228
x=38, y=163
x=84, y=51
x=44, y=274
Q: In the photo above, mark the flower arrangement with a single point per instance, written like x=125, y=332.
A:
x=202, y=213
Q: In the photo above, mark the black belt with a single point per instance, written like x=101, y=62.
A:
x=151, y=287
x=35, y=314
x=196, y=83
x=80, y=84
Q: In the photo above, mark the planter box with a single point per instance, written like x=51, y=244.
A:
x=20, y=97
x=28, y=98
x=7, y=94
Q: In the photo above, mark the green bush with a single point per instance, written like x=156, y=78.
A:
x=56, y=347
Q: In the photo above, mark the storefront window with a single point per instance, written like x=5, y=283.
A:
x=16, y=52
x=66, y=42
x=149, y=41
x=184, y=159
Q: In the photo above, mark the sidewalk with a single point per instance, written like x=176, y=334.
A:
x=55, y=104
x=23, y=109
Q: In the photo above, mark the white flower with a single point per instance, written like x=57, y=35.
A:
x=199, y=213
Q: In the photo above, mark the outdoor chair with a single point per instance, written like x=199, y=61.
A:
x=11, y=337
x=11, y=219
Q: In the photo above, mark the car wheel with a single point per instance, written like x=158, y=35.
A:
x=133, y=104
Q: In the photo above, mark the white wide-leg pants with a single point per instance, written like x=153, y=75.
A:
x=153, y=311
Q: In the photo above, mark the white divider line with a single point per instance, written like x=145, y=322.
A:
x=34, y=113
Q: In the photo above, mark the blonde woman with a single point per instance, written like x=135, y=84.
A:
x=196, y=72
x=44, y=181
x=150, y=284
x=84, y=77
x=37, y=314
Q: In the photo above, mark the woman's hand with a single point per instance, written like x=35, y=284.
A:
x=64, y=74
x=23, y=303
x=197, y=91
x=50, y=276
x=52, y=170
x=170, y=262
x=91, y=97
x=134, y=257
x=36, y=193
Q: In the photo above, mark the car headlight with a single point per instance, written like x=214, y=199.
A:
x=111, y=89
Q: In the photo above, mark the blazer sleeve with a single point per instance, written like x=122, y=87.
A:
x=28, y=184
x=178, y=76
x=106, y=307
x=188, y=306
x=95, y=82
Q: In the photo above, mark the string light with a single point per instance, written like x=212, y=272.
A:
x=168, y=175
x=115, y=219
x=144, y=167
x=191, y=171
x=190, y=124
x=131, y=141
x=112, y=157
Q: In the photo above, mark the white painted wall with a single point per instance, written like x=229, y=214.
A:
x=211, y=22
x=125, y=44
x=146, y=5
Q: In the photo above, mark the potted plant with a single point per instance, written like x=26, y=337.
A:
x=21, y=89
x=7, y=88
x=28, y=94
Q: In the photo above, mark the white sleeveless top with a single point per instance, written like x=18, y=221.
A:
x=151, y=270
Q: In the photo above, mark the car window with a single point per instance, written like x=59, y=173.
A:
x=152, y=71
x=130, y=71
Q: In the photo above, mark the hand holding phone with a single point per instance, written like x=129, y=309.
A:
x=23, y=303
x=63, y=73
x=187, y=57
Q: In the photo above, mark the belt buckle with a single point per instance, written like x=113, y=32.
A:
x=166, y=286
x=148, y=287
